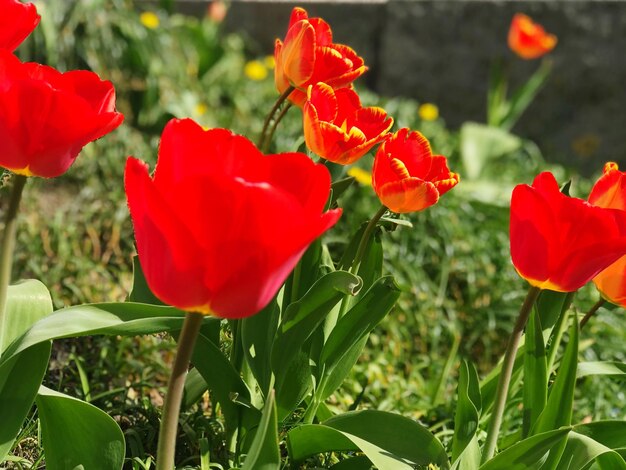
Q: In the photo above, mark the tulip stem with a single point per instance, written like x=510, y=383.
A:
x=505, y=374
x=592, y=312
x=365, y=239
x=6, y=250
x=270, y=134
x=166, y=449
x=559, y=330
x=268, y=119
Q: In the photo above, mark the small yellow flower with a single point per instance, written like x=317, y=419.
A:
x=363, y=177
x=149, y=19
x=201, y=109
x=255, y=70
x=428, y=112
x=269, y=62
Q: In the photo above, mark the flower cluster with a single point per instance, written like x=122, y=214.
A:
x=46, y=117
x=319, y=74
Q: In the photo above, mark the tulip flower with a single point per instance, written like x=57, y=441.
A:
x=47, y=117
x=338, y=128
x=528, y=39
x=220, y=226
x=17, y=21
x=610, y=192
x=559, y=242
x=308, y=56
x=406, y=176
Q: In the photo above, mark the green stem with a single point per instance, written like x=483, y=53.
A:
x=592, y=312
x=6, y=250
x=270, y=134
x=505, y=374
x=166, y=449
x=365, y=239
x=268, y=119
x=559, y=330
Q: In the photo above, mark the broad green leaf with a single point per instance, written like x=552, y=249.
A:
x=581, y=450
x=359, y=321
x=558, y=409
x=290, y=362
x=390, y=441
x=470, y=457
x=195, y=386
x=550, y=304
x=340, y=186
x=611, y=433
x=480, y=144
x=615, y=369
x=264, y=453
x=304, y=275
x=333, y=379
x=76, y=433
x=535, y=390
x=360, y=462
x=20, y=377
x=27, y=302
x=257, y=335
x=124, y=318
x=528, y=454
x=467, y=410
x=140, y=291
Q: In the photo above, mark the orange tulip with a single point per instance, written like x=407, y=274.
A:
x=308, y=55
x=528, y=39
x=406, y=176
x=610, y=191
x=338, y=128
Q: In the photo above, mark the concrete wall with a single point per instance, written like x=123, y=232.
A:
x=441, y=50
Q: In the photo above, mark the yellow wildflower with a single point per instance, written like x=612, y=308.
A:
x=428, y=112
x=269, y=62
x=149, y=19
x=363, y=177
x=255, y=70
x=201, y=109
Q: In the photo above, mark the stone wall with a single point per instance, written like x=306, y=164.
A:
x=441, y=51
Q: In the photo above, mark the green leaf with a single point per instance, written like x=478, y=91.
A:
x=20, y=377
x=470, y=457
x=195, y=386
x=290, y=362
x=264, y=453
x=558, y=410
x=360, y=462
x=124, y=318
x=340, y=186
x=390, y=441
x=257, y=335
x=480, y=144
x=525, y=94
x=336, y=376
x=75, y=433
x=467, y=410
x=614, y=369
x=27, y=302
x=359, y=321
x=581, y=450
x=528, y=454
x=610, y=433
x=535, y=390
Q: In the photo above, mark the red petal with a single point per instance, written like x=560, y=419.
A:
x=17, y=21
x=408, y=195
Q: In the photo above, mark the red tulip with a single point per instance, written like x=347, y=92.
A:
x=558, y=242
x=47, y=117
x=338, y=128
x=528, y=39
x=220, y=226
x=17, y=21
x=406, y=176
x=610, y=192
x=309, y=55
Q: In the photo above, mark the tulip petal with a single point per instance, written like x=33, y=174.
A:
x=408, y=195
x=323, y=98
x=611, y=282
x=17, y=21
x=299, y=53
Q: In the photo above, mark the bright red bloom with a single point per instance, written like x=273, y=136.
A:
x=338, y=128
x=559, y=242
x=47, y=117
x=406, y=176
x=309, y=55
x=610, y=192
x=528, y=39
x=220, y=226
x=17, y=21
